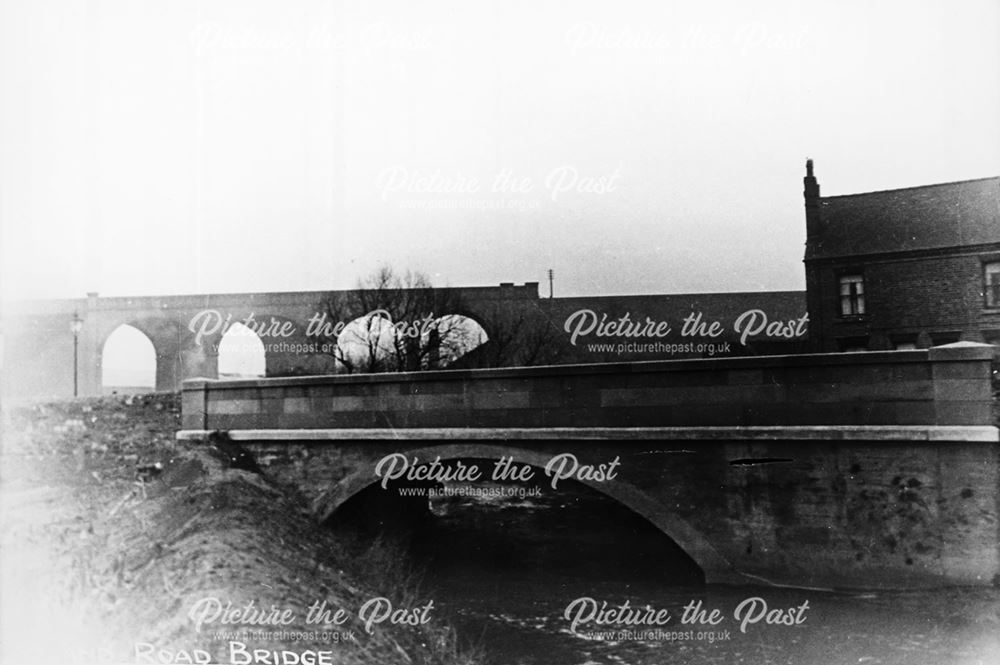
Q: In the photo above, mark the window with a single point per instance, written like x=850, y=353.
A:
x=852, y=295
x=991, y=283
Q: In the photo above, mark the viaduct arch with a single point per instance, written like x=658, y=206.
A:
x=127, y=355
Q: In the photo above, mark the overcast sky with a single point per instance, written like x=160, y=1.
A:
x=633, y=147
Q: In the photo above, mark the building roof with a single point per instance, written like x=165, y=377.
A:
x=916, y=218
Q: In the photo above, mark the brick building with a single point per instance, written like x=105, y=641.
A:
x=904, y=268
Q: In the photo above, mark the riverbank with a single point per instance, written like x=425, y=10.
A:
x=120, y=544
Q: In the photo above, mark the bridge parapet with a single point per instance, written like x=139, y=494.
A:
x=942, y=386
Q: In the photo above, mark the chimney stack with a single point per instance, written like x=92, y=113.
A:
x=811, y=194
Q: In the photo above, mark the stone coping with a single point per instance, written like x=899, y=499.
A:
x=962, y=351
x=871, y=433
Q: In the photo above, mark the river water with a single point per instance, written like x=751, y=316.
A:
x=504, y=570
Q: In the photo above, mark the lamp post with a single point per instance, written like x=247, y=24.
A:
x=76, y=325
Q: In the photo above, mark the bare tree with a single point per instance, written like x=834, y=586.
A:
x=397, y=323
x=401, y=323
x=521, y=335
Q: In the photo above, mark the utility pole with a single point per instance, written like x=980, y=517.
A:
x=550, y=283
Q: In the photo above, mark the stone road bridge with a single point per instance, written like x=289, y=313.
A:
x=833, y=470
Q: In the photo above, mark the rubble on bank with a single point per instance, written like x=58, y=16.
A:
x=121, y=544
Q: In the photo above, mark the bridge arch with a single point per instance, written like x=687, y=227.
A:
x=716, y=569
x=128, y=360
x=464, y=334
x=365, y=342
x=241, y=353
x=160, y=331
x=370, y=341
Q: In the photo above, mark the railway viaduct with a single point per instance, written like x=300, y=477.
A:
x=185, y=331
